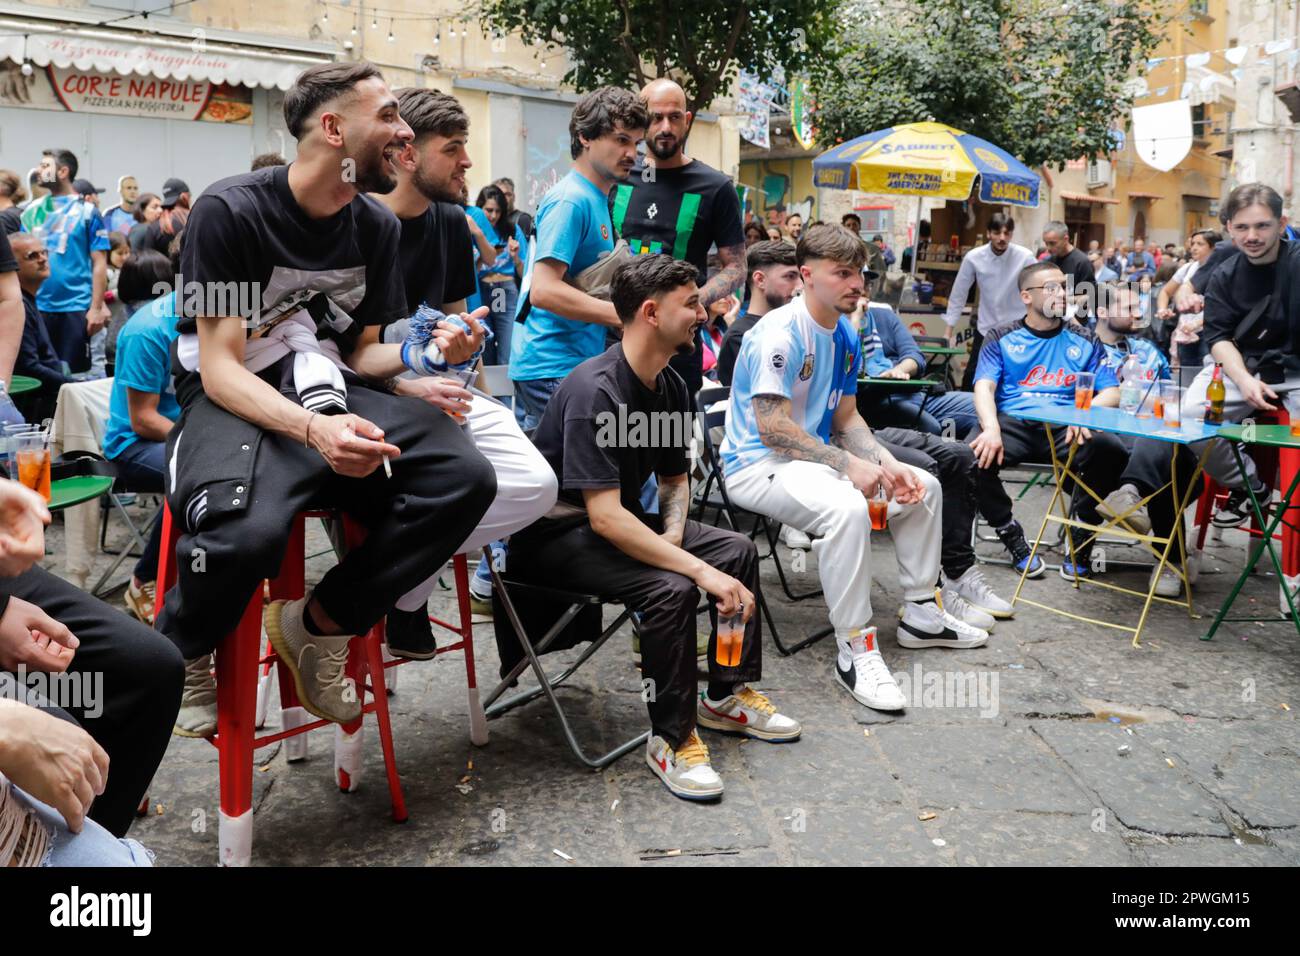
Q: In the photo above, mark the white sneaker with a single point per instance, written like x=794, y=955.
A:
x=746, y=711
x=978, y=594
x=795, y=539
x=1170, y=584
x=685, y=771
x=928, y=625
x=866, y=675
x=956, y=605
x=1122, y=499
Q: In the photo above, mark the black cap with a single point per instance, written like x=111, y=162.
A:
x=84, y=187
x=172, y=190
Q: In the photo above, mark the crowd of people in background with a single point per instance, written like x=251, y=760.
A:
x=637, y=283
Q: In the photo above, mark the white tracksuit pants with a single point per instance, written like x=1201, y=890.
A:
x=819, y=500
x=526, y=485
x=1220, y=463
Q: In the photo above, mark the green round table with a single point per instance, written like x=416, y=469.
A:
x=67, y=492
x=22, y=384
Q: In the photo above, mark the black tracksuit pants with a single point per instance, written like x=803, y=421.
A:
x=578, y=559
x=139, y=675
x=953, y=463
x=416, y=520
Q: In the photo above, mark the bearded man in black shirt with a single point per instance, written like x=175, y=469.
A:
x=294, y=407
x=678, y=205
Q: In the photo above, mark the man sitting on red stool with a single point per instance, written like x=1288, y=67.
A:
x=294, y=409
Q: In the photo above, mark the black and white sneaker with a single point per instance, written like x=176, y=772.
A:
x=928, y=625
x=1236, y=511
x=409, y=634
x=864, y=674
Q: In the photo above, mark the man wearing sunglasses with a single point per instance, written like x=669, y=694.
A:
x=36, y=356
x=1037, y=360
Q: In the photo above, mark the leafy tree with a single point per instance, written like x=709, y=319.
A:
x=701, y=43
x=1043, y=80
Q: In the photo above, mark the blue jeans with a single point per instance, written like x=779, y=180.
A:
x=68, y=336
x=501, y=299
x=531, y=399
x=93, y=846
x=141, y=464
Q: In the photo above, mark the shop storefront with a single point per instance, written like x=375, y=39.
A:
x=145, y=105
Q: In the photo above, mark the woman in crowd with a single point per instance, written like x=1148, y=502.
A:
x=1186, y=338
x=497, y=277
x=147, y=209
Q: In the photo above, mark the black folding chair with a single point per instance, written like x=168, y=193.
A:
x=712, y=416
x=532, y=652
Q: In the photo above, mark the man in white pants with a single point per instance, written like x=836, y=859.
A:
x=797, y=450
x=437, y=264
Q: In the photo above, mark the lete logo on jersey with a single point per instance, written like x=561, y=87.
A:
x=1039, y=376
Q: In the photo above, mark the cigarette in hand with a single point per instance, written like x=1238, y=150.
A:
x=388, y=469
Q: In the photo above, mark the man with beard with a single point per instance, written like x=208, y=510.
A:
x=563, y=325
x=598, y=538
x=294, y=407
x=773, y=280
x=438, y=269
x=678, y=205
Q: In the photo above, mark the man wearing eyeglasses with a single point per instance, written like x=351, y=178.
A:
x=36, y=355
x=11, y=308
x=1037, y=360
x=994, y=268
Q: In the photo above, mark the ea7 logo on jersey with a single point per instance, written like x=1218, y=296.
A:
x=777, y=361
x=1016, y=348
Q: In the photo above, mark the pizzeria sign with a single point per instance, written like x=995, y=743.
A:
x=130, y=94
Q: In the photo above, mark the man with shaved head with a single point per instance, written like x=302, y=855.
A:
x=678, y=205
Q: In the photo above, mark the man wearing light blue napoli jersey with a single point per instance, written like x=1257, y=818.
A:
x=1037, y=360
x=562, y=325
x=797, y=451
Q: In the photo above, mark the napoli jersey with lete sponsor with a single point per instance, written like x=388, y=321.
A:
x=1029, y=366
x=788, y=354
x=1154, y=365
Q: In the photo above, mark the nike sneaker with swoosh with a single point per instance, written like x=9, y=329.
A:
x=685, y=771
x=745, y=711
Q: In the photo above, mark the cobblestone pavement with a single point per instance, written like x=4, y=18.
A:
x=1057, y=743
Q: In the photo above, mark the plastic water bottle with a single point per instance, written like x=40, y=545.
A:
x=1130, y=385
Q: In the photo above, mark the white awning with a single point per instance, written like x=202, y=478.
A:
x=197, y=58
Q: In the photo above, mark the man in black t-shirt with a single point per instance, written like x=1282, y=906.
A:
x=288, y=273
x=1080, y=277
x=1252, y=307
x=680, y=206
x=772, y=280
x=438, y=269
x=617, y=419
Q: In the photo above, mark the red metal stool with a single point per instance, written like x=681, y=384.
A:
x=237, y=658
x=478, y=732
x=1214, y=494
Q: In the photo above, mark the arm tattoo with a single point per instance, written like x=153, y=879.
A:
x=778, y=431
x=858, y=441
x=674, y=502
x=729, y=278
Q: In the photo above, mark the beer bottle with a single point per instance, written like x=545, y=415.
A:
x=1214, y=396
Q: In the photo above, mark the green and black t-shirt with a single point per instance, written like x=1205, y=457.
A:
x=682, y=212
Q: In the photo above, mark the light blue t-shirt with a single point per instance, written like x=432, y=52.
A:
x=144, y=364
x=1030, y=366
x=573, y=227
x=72, y=231
x=503, y=263
x=788, y=353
